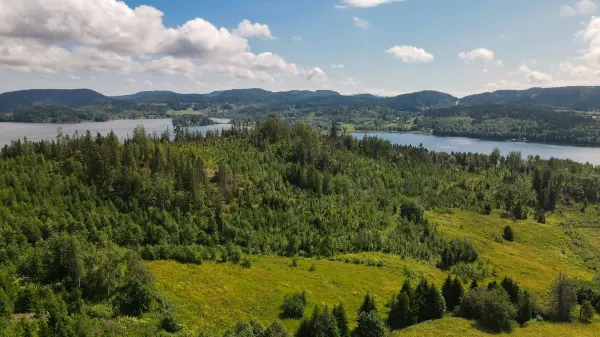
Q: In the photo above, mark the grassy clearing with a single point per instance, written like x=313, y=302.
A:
x=538, y=254
x=189, y=111
x=458, y=327
x=214, y=296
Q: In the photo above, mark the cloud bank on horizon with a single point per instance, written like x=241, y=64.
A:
x=115, y=47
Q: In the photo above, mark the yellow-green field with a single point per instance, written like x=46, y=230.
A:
x=538, y=253
x=214, y=296
x=189, y=111
x=458, y=327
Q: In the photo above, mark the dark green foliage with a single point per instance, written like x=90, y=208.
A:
x=586, y=312
x=246, y=263
x=339, y=313
x=508, y=234
x=453, y=292
x=457, y=251
x=562, y=299
x=136, y=298
x=368, y=305
x=370, y=324
x=191, y=120
x=472, y=303
x=474, y=284
x=400, y=315
x=512, y=288
x=313, y=267
x=526, y=308
x=294, y=305
x=511, y=122
x=170, y=324
x=497, y=312
x=322, y=323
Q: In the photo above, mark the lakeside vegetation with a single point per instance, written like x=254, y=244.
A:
x=103, y=237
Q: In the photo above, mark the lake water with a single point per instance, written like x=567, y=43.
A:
x=124, y=129
x=460, y=144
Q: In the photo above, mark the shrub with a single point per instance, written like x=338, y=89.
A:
x=170, y=324
x=294, y=305
x=457, y=251
x=313, y=267
x=246, y=263
x=471, y=305
x=586, y=312
x=508, y=234
x=497, y=312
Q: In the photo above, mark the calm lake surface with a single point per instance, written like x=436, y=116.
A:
x=460, y=144
x=124, y=129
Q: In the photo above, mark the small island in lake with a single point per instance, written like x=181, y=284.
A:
x=192, y=120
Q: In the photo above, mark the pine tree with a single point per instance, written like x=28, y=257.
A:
x=448, y=293
x=370, y=325
x=400, y=315
x=419, y=306
x=512, y=288
x=342, y=320
x=474, y=284
x=562, y=299
x=436, y=306
x=458, y=291
x=368, y=305
x=508, y=233
x=525, y=308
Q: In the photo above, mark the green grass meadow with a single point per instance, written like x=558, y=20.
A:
x=214, y=296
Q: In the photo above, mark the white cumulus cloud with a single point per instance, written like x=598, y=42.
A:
x=249, y=29
x=361, y=23
x=315, y=73
x=479, y=54
x=583, y=7
x=410, y=54
x=110, y=36
x=534, y=76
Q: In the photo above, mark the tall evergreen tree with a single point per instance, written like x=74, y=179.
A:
x=562, y=298
x=368, y=304
x=339, y=312
x=370, y=325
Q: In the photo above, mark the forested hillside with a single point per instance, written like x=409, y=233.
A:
x=71, y=98
x=512, y=122
x=79, y=214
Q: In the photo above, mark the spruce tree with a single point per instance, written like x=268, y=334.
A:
x=368, y=304
x=458, y=292
x=342, y=320
x=400, y=315
x=419, y=301
x=512, y=288
x=474, y=284
x=448, y=293
x=370, y=325
x=525, y=308
x=436, y=306
x=562, y=299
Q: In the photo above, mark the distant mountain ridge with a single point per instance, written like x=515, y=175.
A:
x=577, y=98
x=73, y=98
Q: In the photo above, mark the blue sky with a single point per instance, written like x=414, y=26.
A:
x=383, y=47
